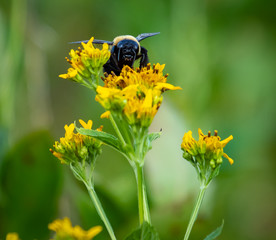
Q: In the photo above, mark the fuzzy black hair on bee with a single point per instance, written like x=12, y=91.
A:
x=125, y=50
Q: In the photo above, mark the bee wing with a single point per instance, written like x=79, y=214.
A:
x=145, y=35
x=84, y=41
x=96, y=41
x=102, y=42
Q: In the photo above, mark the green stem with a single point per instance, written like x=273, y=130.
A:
x=117, y=130
x=100, y=210
x=143, y=207
x=195, y=211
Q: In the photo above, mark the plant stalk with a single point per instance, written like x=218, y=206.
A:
x=100, y=210
x=195, y=211
x=143, y=207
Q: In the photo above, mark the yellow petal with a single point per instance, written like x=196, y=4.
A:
x=92, y=232
x=100, y=129
x=87, y=125
x=200, y=133
x=64, y=76
x=69, y=130
x=225, y=141
x=105, y=114
x=231, y=161
x=166, y=86
x=148, y=100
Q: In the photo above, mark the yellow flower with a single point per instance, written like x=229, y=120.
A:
x=75, y=147
x=64, y=230
x=12, y=236
x=136, y=95
x=208, y=147
x=86, y=62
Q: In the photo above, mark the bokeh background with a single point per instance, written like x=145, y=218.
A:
x=222, y=54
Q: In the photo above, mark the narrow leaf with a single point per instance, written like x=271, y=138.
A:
x=149, y=139
x=145, y=232
x=215, y=233
x=153, y=136
x=104, y=137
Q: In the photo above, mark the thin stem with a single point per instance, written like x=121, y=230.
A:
x=100, y=210
x=143, y=207
x=195, y=211
x=117, y=130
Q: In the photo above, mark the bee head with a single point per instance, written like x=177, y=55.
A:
x=126, y=49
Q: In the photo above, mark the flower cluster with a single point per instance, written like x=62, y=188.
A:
x=75, y=147
x=64, y=230
x=135, y=95
x=207, y=146
x=206, y=153
x=86, y=62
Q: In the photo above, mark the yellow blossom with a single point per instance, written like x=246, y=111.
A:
x=75, y=146
x=209, y=147
x=86, y=62
x=12, y=236
x=64, y=230
x=136, y=95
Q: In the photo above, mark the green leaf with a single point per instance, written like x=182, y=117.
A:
x=154, y=136
x=104, y=137
x=150, y=138
x=215, y=233
x=145, y=232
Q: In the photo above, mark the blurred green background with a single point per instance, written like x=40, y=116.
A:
x=223, y=55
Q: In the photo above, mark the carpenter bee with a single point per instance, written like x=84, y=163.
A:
x=125, y=50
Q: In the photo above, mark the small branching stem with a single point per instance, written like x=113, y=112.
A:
x=195, y=211
x=100, y=210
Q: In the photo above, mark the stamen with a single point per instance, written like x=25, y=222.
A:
x=166, y=75
x=68, y=60
x=216, y=133
x=209, y=133
x=113, y=74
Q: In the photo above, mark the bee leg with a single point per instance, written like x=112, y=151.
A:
x=144, y=57
x=111, y=66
